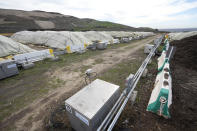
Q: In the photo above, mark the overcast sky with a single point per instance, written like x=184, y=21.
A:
x=137, y=13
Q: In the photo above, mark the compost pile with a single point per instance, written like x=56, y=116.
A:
x=184, y=74
x=10, y=47
x=186, y=54
x=181, y=35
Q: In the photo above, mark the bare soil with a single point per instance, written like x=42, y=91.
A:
x=184, y=72
x=32, y=116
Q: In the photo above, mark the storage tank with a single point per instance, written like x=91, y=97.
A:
x=87, y=108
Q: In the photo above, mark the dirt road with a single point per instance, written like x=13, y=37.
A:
x=31, y=117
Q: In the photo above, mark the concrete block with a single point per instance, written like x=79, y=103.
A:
x=133, y=97
x=129, y=78
x=148, y=48
x=144, y=74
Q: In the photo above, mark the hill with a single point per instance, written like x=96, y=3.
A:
x=17, y=20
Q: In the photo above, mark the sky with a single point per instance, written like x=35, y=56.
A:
x=159, y=14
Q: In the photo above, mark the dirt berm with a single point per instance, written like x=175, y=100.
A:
x=184, y=74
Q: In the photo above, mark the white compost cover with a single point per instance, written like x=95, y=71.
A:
x=98, y=36
x=73, y=41
x=120, y=33
x=144, y=34
x=76, y=40
x=54, y=39
x=181, y=35
x=128, y=34
x=30, y=37
x=10, y=47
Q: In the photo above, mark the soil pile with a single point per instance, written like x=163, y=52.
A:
x=184, y=74
x=186, y=54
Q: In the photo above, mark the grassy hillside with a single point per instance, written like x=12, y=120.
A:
x=17, y=20
x=102, y=25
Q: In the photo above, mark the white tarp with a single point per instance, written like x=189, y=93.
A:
x=98, y=36
x=144, y=34
x=60, y=40
x=181, y=35
x=120, y=33
x=71, y=41
x=10, y=47
x=134, y=35
x=75, y=40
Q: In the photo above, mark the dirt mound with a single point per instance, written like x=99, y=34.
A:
x=186, y=54
x=184, y=74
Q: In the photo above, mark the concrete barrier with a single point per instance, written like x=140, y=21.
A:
x=162, y=60
x=161, y=97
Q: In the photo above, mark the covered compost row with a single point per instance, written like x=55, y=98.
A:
x=75, y=41
x=63, y=40
x=181, y=35
x=9, y=47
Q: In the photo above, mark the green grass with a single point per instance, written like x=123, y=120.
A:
x=35, y=90
x=98, y=61
x=148, y=79
x=98, y=25
x=118, y=73
x=84, y=68
x=45, y=65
